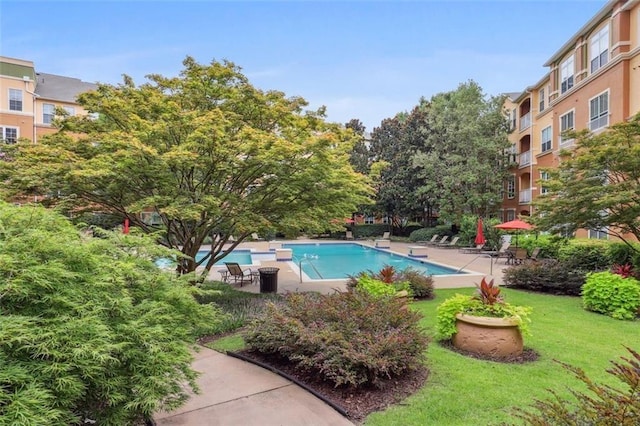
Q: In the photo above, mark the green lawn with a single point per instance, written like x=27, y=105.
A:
x=466, y=391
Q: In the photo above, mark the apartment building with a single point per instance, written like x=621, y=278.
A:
x=593, y=81
x=29, y=99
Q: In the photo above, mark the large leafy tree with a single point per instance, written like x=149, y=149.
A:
x=461, y=162
x=212, y=155
x=360, y=158
x=90, y=328
x=597, y=184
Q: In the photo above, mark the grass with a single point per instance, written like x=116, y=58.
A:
x=466, y=391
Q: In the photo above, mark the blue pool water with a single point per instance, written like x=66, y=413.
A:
x=338, y=261
x=243, y=257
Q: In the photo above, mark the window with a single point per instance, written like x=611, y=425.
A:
x=599, y=49
x=566, y=74
x=541, y=100
x=600, y=234
x=512, y=120
x=511, y=215
x=9, y=134
x=566, y=124
x=545, y=139
x=48, y=112
x=544, y=176
x=599, y=111
x=70, y=110
x=511, y=186
x=15, y=100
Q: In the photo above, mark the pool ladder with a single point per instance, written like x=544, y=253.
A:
x=472, y=260
x=312, y=266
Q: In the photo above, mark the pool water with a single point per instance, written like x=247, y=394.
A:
x=339, y=261
x=243, y=257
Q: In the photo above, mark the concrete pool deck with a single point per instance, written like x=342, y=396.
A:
x=478, y=266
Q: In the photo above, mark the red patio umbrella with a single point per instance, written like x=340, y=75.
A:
x=125, y=229
x=515, y=225
x=480, y=233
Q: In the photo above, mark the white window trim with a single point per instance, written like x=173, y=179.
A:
x=21, y=100
x=3, y=132
x=566, y=142
x=542, y=150
x=53, y=113
x=589, y=109
x=571, y=70
x=542, y=105
x=608, y=49
x=544, y=176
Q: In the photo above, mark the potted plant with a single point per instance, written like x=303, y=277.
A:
x=483, y=323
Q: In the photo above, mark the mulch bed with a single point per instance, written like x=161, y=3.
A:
x=357, y=403
x=528, y=354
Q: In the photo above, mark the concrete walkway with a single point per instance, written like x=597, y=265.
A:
x=235, y=392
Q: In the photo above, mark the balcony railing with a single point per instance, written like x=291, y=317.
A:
x=564, y=143
x=525, y=158
x=525, y=196
x=525, y=121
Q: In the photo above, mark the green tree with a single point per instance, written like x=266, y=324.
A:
x=461, y=161
x=359, y=159
x=213, y=156
x=90, y=328
x=597, y=184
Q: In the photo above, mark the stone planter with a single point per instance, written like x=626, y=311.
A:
x=493, y=337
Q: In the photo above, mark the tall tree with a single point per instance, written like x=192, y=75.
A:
x=360, y=158
x=209, y=153
x=597, y=185
x=462, y=160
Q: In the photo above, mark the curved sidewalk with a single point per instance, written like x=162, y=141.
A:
x=235, y=392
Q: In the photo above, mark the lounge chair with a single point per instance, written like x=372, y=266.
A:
x=519, y=256
x=386, y=235
x=477, y=249
x=256, y=237
x=502, y=252
x=450, y=244
x=431, y=241
x=436, y=243
x=349, y=235
x=238, y=275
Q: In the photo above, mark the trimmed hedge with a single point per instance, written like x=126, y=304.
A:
x=351, y=339
x=545, y=277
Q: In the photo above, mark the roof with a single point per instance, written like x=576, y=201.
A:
x=60, y=88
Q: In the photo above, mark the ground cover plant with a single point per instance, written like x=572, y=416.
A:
x=560, y=330
x=90, y=329
x=612, y=294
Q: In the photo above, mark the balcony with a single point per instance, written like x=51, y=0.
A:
x=565, y=143
x=525, y=121
x=525, y=158
x=525, y=196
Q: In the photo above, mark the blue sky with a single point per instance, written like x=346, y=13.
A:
x=361, y=59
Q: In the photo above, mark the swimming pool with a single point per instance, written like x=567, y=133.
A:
x=338, y=261
x=243, y=257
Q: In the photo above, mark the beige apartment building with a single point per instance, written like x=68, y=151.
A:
x=593, y=81
x=29, y=99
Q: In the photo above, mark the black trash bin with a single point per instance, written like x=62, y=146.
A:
x=268, y=280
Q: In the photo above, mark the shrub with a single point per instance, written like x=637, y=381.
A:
x=91, y=330
x=351, y=339
x=606, y=405
x=487, y=303
x=369, y=230
x=612, y=295
x=375, y=287
x=421, y=285
x=585, y=255
x=545, y=277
